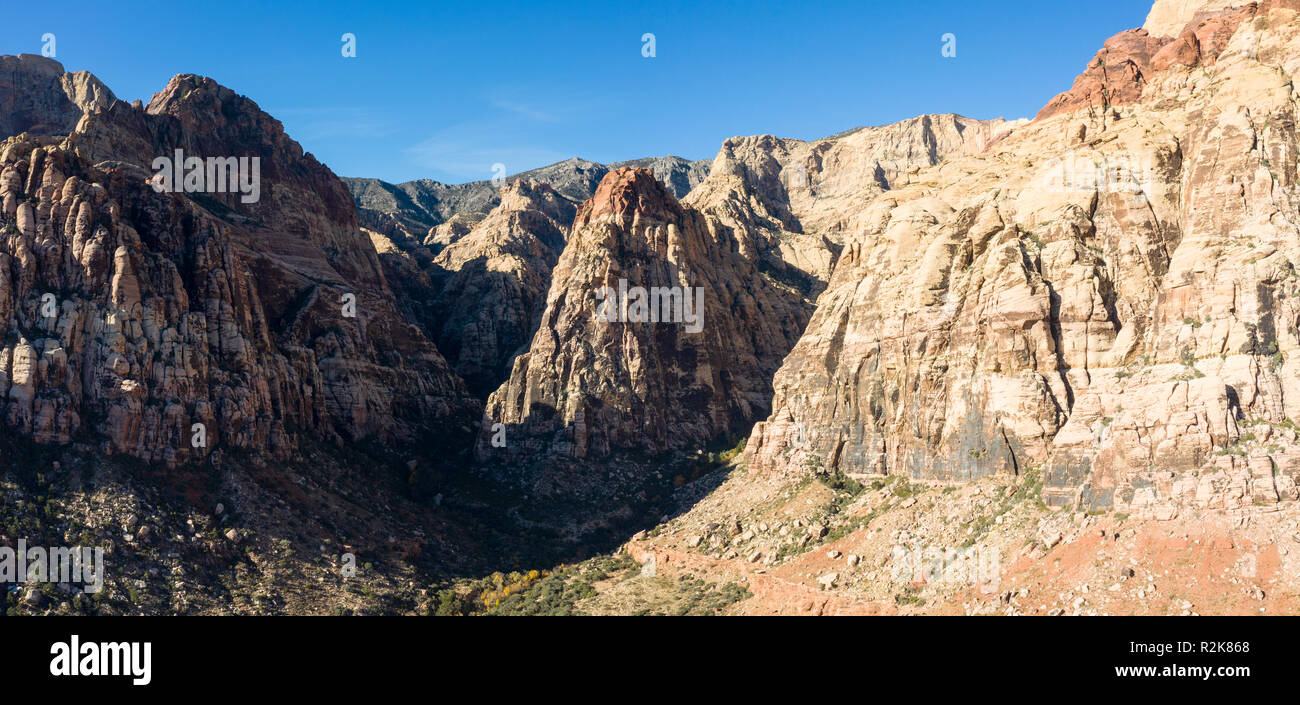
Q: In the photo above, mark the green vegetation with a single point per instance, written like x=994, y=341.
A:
x=698, y=598
x=563, y=591
x=1029, y=490
x=549, y=592
x=909, y=597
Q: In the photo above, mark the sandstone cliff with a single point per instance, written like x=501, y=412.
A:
x=787, y=201
x=1105, y=296
x=38, y=97
x=763, y=231
x=591, y=384
x=492, y=281
x=132, y=315
x=1168, y=18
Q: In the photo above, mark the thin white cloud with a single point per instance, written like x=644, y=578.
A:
x=516, y=119
x=468, y=152
x=524, y=110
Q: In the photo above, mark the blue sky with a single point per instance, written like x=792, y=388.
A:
x=446, y=91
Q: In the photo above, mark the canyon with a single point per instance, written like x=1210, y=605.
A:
x=1072, y=339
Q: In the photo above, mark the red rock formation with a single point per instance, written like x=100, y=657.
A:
x=587, y=387
x=1123, y=68
x=173, y=309
x=1115, y=76
x=1185, y=50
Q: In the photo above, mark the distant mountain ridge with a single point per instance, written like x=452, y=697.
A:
x=411, y=208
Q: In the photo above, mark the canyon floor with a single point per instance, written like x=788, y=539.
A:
x=759, y=545
x=822, y=546
x=744, y=543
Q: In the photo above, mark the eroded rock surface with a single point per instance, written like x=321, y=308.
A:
x=492, y=281
x=589, y=386
x=408, y=212
x=787, y=202
x=1106, y=296
x=132, y=315
x=38, y=97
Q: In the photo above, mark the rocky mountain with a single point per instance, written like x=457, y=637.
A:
x=133, y=315
x=38, y=97
x=1168, y=18
x=763, y=189
x=492, y=281
x=686, y=363
x=788, y=202
x=1119, y=72
x=1104, y=295
x=476, y=284
x=408, y=211
x=1094, y=311
x=392, y=210
x=678, y=175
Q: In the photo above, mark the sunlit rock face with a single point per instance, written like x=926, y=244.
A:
x=604, y=373
x=1106, y=296
x=167, y=325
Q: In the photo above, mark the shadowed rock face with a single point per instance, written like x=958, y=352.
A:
x=476, y=285
x=175, y=309
x=1106, y=296
x=38, y=97
x=587, y=387
x=493, y=281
